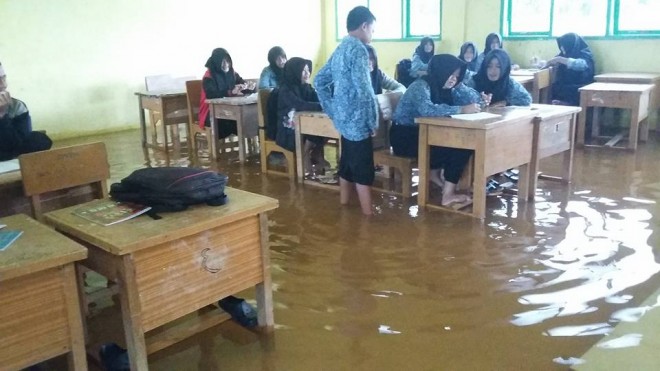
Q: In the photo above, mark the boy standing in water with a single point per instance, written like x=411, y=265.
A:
x=345, y=92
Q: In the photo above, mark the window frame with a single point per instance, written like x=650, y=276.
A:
x=612, y=25
x=405, y=24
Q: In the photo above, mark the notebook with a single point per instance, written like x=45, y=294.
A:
x=7, y=237
x=109, y=212
x=475, y=116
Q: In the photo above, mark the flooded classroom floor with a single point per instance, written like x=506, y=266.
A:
x=534, y=286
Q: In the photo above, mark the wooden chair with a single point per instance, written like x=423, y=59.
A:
x=64, y=168
x=269, y=146
x=172, y=120
x=195, y=133
x=384, y=156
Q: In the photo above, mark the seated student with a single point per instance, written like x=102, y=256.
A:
x=296, y=94
x=379, y=80
x=421, y=57
x=16, y=135
x=469, y=55
x=575, y=69
x=220, y=80
x=493, y=41
x=494, y=79
x=439, y=93
x=271, y=75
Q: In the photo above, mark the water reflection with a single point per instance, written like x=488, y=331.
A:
x=605, y=251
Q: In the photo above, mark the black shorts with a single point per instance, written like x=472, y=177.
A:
x=356, y=163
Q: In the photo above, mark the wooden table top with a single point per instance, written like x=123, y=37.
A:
x=629, y=77
x=235, y=101
x=523, y=79
x=507, y=114
x=160, y=93
x=547, y=111
x=144, y=232
x=528, y=71
x=37, y=249
x=611, y=86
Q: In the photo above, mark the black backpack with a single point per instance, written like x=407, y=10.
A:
x=171, y=188
x=403, y=72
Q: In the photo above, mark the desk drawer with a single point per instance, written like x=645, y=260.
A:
x=179, y=277
x=554, y=136
x=227, y=112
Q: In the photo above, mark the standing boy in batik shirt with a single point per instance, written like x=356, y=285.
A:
x=345, y=92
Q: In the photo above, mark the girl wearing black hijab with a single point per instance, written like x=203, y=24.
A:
x=439, y=93
x=296, y=94
x=575, y=69
x=469, y=55
x=494, y=80
x=220, y=80
x=493, y=41
x=379, y=80
x=420, y=59
x=272, y=75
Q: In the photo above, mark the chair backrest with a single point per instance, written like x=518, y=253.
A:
x=387, y=103
x=193, y=97
x=64, y=168
x=262, y=106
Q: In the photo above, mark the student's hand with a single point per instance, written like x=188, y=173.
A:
x=250, y=85
x=5, y=102
x=374, y=133
x=486, y=98
x=471, y=108
x=237, y=90
x=557, y=60
x=515, y=67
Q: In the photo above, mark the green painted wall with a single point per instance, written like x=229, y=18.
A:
x=77, y=63
x=472, y=20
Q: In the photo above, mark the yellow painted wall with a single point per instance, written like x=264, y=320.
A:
x=77, y=63
x=472, y=20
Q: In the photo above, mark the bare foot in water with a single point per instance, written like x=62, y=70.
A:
x=448, y=199
x=435, y=176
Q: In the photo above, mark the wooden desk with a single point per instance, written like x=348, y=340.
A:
x=179, y=264
x=634, y=97
x=243, y=110
x=313, y=123
x=499, y=144
x=554, y=132
x=539, y=87
x=637, y=78
x=172, y=106
x=39, y=309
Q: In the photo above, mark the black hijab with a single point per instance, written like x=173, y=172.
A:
x=274, y=53
x=293, y=75
x=493, y=36
x=472, y=65
x=376, y=76
x=224, y=80
x=575, y=47
x=441, y=67
x=500, y=87
x=426, y=57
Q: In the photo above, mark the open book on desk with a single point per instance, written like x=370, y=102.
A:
x=109, y=212
x=475, y=116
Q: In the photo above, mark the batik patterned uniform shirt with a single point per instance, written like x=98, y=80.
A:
x=345, y=92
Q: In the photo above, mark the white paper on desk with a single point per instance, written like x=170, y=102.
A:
x=7, y=166
x=475, y=116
